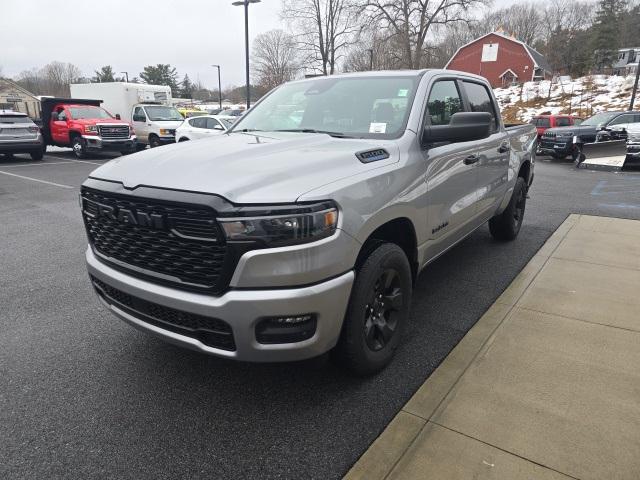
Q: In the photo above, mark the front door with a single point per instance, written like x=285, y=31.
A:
x=493, y=152
x=139, y=120
x=452, y=173
x=58, y=126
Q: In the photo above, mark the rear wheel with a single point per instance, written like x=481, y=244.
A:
x=183, y=139
x=78, y=146
x=37, y=154
x=506, y=226
x=378, y=311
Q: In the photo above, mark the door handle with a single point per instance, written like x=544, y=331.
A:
x=504, y=148
x=471, y=159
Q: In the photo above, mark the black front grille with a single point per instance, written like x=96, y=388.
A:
x=210, y=331
x=549, y=136
x=114, y=131
x=164, y=242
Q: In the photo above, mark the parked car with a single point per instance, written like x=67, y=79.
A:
x=214, y=111
x=145, y=106
x=633, y=145
x=544, y=122
x=200, y=127
x=190, y=112
x=18, y=134
x=277, y=242
x=232, y=112
x=560, y=142
x=85, y=127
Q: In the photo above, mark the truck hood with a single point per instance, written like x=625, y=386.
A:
x=248, y=167
x=574, y=130
x=99, y=121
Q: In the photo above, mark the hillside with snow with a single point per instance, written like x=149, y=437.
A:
x=583, y=97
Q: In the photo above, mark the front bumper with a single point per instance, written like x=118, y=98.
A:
x=242, y=309
x=633, y=150
x=94, y=142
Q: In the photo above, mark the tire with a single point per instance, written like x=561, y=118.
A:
x=37, y=155
x=183, y=139
x=140, y=147
x=378, y=311
x=506, y=226
x=78, y=146
x=154, y=141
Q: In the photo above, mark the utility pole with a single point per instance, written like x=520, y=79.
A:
x=635, y=87
x=246, y=3
x=219, y=87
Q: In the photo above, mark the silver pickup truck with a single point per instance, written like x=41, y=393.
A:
x=303, y=229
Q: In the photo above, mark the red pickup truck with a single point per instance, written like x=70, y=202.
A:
x=84, y=126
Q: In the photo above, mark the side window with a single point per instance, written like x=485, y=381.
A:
x=444, y=101
x=138, y=115
x=621, y=120
x=213, y=124
x=563, y=122
x=480, y=101
x=198, y=122
x=62, y=115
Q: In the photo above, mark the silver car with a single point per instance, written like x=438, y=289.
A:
x=18, y=134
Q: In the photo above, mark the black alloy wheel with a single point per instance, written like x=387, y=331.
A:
x=382, y=312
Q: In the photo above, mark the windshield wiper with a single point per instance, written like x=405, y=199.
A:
x=313, y=130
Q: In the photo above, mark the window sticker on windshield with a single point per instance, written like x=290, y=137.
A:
x=403, y=92
x=377, y=127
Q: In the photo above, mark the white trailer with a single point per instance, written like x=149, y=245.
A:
x=147, y=107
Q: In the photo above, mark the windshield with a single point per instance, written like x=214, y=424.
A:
x=365, y=107
x=86, y=113
x=227, y=122
x=160, y=113
x=599, y=119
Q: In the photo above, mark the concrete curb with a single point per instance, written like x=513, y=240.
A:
x=387, y=450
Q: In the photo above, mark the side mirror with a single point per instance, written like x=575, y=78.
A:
x=118, y=116
x=463, y=127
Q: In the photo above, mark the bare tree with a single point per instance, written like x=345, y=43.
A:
x=522, y=20
x=411, y=21
x=323, y=30
x=274, y=59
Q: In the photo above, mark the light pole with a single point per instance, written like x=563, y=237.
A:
x=246, y=43
x=126, y=74
x=219, y=86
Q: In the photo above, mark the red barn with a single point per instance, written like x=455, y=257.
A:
x=501, y=59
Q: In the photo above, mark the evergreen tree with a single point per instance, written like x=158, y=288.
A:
x=105, y=74
x=187, y=87
x=161, y=74
x=606, y=31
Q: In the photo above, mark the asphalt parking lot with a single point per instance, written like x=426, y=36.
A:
x=85, y=396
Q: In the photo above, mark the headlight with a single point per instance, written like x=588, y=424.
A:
x=91, y=129
x=281, y=225
x=165, y=131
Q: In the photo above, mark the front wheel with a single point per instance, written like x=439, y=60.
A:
x=78, y=146
x=378, y=311
x=506, y=226
x=37, y=155
x=154, y=141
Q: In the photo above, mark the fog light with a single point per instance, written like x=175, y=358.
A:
x=286, y=328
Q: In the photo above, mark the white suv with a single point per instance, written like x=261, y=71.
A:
x=201, y=127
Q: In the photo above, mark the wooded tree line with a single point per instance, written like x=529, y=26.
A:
x=324, y=37
x=327, y=36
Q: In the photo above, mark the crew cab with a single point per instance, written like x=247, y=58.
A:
x=85, y=127
x=560, y=142
x=303, y=228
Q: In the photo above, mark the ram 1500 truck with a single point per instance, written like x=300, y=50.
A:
x=84, y=126
x=303, y=228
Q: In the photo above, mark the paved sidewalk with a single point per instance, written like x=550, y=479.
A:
x=546, y=385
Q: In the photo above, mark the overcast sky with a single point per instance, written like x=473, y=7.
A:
x=129, y=34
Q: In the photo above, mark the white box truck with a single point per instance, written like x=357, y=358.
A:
x=147, y=107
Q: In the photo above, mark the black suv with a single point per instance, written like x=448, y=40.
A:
x=560, y=142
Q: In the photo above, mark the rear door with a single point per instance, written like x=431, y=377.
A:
x=493, y=151
x=451, y=178
x=198, y=127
